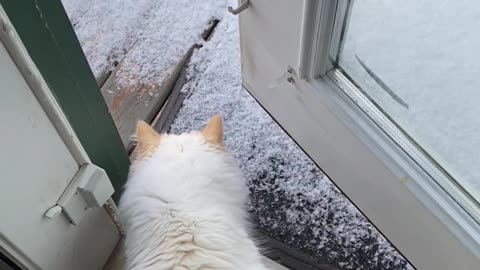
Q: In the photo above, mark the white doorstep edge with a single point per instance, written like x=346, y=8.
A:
x=273, y=265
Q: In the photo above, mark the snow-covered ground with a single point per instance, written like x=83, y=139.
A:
x=427, y=53
x=147, y=37
x=291, y=199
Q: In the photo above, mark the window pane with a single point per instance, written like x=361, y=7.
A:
x=419, y=61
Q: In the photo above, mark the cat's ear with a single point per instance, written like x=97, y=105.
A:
x=146, y=135
x=213, y=132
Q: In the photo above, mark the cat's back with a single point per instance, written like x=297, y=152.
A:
x=183, y=205
x=183, y=237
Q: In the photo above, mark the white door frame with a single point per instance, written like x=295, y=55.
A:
x=18, y=53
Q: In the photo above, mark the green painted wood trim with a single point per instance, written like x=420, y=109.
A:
x=51, y=42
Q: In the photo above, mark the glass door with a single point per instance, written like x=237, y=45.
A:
x=416, y=63
x=381, y=95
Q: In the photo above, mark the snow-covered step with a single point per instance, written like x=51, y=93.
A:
x=136, y=50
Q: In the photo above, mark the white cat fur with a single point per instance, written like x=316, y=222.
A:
x=184, y=208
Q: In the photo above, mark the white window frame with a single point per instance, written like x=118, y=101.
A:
x=400, y=197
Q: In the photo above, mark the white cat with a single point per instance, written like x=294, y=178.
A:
x=184, y=204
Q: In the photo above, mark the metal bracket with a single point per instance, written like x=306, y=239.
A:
x=242, y=5
x=90, y=188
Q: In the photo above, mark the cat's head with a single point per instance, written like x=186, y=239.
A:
x=188, y=165
x=149, y=141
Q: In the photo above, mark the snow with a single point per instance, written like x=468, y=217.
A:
x=107, y=29
x=291, y=199
x=147, y=37
x=430, y=61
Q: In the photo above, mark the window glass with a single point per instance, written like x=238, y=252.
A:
x=419, y=61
